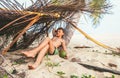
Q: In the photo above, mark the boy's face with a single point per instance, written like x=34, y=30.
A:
x=59, y=33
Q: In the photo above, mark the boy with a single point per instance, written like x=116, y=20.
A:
x=48, y=45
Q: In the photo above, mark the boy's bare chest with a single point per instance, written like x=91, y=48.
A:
x=57, y=39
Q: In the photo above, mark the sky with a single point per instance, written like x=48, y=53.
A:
x=109, y=24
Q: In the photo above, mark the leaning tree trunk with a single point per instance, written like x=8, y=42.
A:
x=69, y=30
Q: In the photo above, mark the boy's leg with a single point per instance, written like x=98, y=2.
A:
x=39, y=57
x=44, y=43
x=34, y=51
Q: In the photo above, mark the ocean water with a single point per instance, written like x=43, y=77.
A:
x=112, y=40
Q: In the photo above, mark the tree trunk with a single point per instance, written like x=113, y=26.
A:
x=69, y=30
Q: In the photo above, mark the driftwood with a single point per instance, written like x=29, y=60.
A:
x=82, y=47
x=100, y=69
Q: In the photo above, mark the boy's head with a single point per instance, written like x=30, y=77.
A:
x=60, y=32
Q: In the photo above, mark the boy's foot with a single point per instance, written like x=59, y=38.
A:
x=28, y=54
x=32, y=66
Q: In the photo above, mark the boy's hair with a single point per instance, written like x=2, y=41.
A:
x=60, y=28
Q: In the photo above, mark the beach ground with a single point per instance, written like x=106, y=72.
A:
x=54, y=66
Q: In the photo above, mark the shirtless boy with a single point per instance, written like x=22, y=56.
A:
x=48, y=45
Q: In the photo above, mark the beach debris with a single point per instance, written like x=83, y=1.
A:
x=47, y=58
x=14, y=71
x=113, y=76
x=5, y=76
x=4, y=73
x=74, y=76
x=93, y=50
x=96, y=50
x=82, y=46
x=118, y=49
x=112, y=65
x=108, y=75
x=106, y=51
x=52, y=64
x=117, y=52
x=75, y=60
x=61, y=74
x=21, y=75
x=20, y=60
x=87, y=76
x=1, y=59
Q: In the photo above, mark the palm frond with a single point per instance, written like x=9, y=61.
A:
x=98, y=9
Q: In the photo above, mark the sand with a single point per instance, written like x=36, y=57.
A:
x=95, y=56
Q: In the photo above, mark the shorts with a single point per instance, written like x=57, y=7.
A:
x=56, y=51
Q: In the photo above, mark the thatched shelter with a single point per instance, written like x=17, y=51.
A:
x=25, y=25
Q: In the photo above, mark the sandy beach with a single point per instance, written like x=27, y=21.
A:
x=25, y=23
x=52, y=65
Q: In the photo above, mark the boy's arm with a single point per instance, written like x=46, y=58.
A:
x=64, y=47
x=53, y=32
